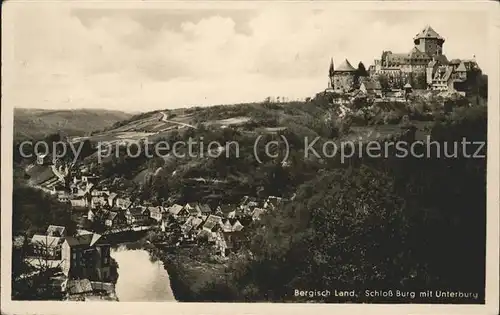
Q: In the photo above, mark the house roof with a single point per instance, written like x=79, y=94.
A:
x=187, y=226
x=442, y=59
x=428, y=32
x=46, y=240
x=56, y=230
x=205, y=208
x=212, y=221
x=190, y=205
x=398, y=58
x=257, y=212
x=157, y=209
x=40, y=173
x=227, y=226
x=416, y=53
x=407, y=86
x=191, y=223
x=82, y=232
x=414, y=50
x=196, y=222
x=237, y=226
x=275, y=201
x=83, y=240
x=232, y=225
x=79, y=286
x=153, y=208
x=345, y=66
x=111, y=215
x=193, y=210
x=175, y=209
x=470, y=64
x=137, y=211
x=461, y=67
x=226, y=208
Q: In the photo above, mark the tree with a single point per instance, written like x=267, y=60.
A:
x=482, y=86
x=384, y=83
x=33, y=210
x=33, y=269
x=361, y=71
x=98, y=223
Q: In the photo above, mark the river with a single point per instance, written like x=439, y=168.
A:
x=140, y=279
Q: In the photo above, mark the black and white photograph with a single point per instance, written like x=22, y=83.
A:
x=253, y=152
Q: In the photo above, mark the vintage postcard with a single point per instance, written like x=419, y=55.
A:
x=290, y=157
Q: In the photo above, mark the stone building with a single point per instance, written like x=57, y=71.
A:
x=86, y=257
x=427, y=59
x=424, y=67
x=454, y=76
x=342, y=79
x=428, y=44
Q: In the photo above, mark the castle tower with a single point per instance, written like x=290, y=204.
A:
x=429, y=41
x=343, y=77
x=331, y=73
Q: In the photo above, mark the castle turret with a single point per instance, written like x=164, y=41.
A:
x=429, y=41
x=331, y=72
x=343, y=77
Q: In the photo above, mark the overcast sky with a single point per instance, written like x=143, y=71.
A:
x=139, y=60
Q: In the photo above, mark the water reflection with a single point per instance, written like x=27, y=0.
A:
x=140, y=279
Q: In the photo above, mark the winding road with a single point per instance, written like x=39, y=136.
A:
x=165, y=119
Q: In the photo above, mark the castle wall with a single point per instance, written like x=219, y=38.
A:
x=431, y=46
x=343, y=82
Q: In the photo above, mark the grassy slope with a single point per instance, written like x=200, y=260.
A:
x=36, y=123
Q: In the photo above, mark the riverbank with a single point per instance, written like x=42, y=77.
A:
x=193, y=273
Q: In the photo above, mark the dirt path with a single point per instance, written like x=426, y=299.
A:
x=165, y=119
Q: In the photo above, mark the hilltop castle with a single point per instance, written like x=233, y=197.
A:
x=425, y=60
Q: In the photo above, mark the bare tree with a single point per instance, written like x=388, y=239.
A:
x=42, y=261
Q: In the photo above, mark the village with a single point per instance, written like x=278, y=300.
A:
x=81, y=266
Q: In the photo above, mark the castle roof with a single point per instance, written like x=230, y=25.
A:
x=417, y=53
x=87, y=240
x=428, y=32
x=442, y=59
x=461, y=67
x=345, y=67
x=470, y=64
x=414, y=50
x=447, y=73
